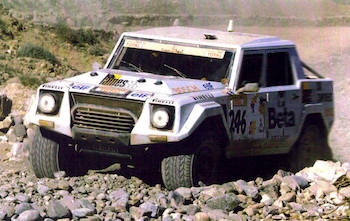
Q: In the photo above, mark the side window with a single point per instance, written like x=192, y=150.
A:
x=278, y=70
x=251, y=69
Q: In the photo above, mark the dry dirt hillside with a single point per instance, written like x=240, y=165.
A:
x=99, y=14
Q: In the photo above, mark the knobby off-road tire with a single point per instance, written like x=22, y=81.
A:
x=43, y=155
x=191, y=169
x=312, y=145
x=49, y=153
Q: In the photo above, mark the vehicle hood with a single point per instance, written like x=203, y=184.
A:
x=125, y=82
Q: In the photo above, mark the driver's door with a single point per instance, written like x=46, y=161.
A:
x=247, y=111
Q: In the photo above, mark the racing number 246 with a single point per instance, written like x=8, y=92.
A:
x=238, y=121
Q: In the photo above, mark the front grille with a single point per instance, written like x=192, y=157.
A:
x=101, y=118
x=104, y=113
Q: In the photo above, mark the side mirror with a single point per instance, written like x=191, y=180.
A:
x=96, y=66
x=249, y=87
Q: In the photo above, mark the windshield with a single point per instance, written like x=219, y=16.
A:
x=173, y=60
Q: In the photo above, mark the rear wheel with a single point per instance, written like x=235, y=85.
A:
x=192, y=169
x=311, y=146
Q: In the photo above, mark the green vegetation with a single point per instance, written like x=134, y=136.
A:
x=76, y=37
x=34, y=51
x=7, y=72
x=97, y=50
x=30, y=81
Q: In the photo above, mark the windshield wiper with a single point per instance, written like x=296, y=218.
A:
x=177, y=71
x=132, y=65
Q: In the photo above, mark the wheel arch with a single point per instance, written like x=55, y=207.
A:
x=205, y=115
x=314, y=118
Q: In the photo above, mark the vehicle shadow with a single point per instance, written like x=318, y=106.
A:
x=245, y=168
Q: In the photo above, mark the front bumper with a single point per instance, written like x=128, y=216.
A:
x=98, y=137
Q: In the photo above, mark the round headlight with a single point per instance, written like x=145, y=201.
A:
x=47, y=103
x=160, y=118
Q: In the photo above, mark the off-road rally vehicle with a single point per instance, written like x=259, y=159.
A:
x=186, y=98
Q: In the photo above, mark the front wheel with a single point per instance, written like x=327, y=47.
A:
x=49, y=154
x=192, y=169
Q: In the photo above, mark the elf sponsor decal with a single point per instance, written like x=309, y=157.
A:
x=110, y=90
x=203, y=97
x=238, y=122
x=208, y=86
x=81, y=87
x=185, y=89
x=280, y=119
x=139, y=96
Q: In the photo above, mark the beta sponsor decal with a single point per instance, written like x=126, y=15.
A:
x=139, y=96
x=110, y=90
x=280, y=119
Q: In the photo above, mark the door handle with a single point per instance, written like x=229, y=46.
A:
x=295, y=96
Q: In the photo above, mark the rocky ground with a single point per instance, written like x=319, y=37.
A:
x=321, y=192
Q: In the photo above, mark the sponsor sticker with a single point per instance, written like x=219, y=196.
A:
x=239, y=100
x=110, y=90
x=162, y=101
x=185, y=89
x=52, y=86
x=117, y=76
x=81, y=87
x=139, y=96
x=206, y=96
x=208, y=86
